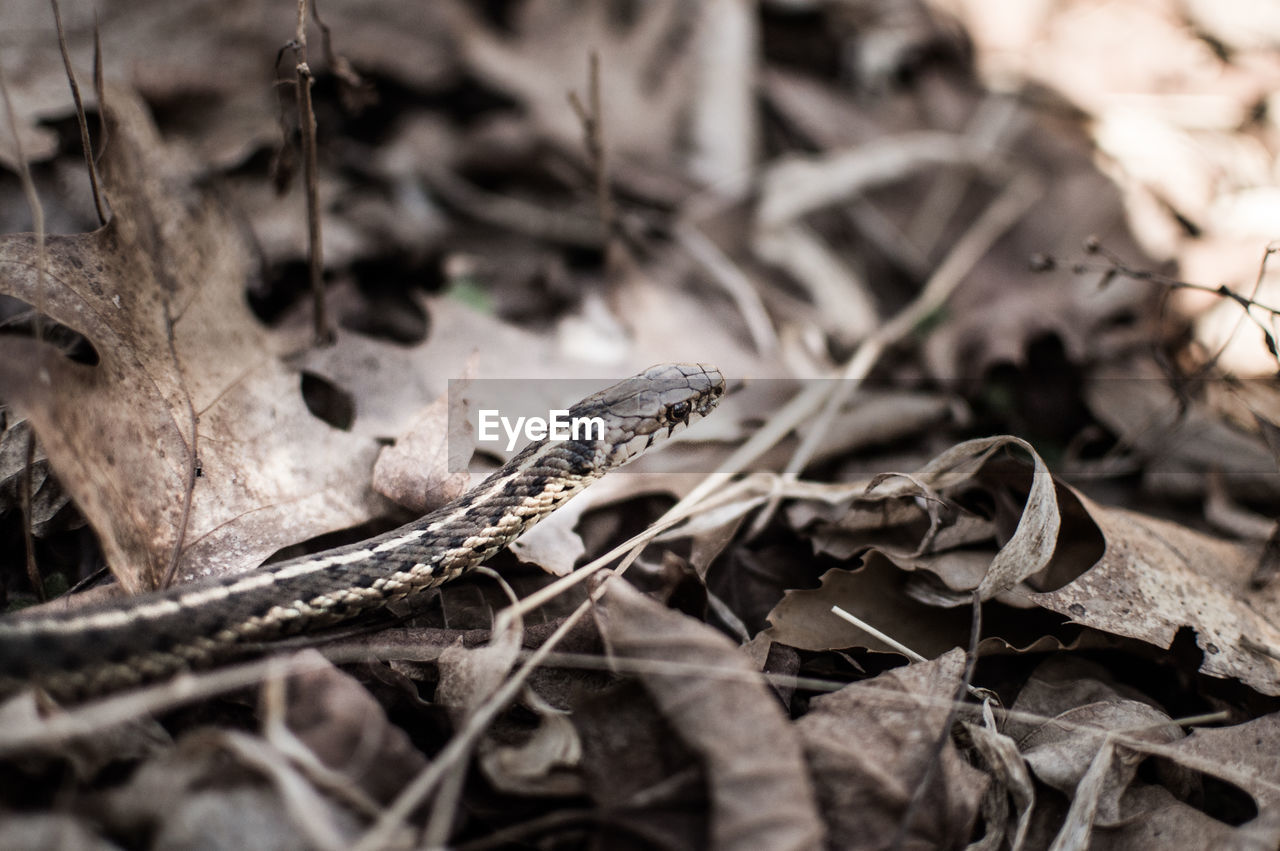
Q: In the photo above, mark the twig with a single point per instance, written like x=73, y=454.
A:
x=307, y=128
x=80, y=115
x=28, y=538
x=875, y=633
x=734, y=282
x=95, y=716
x=1115, y=267
x=592, y=119
x=445, y=806
x=192, y=459
x=99, y=89
x=272, y=706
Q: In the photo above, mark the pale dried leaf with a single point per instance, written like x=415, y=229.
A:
x=534, y=765
x=1062, y=756
x=553, y=546
x=469, y=675
x=1075, y=832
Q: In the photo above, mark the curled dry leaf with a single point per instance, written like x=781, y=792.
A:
x=158, y=293
x=1113, y=570
x=1029, y=549
x=760, y=790
x=869, y=746
x=534, y=765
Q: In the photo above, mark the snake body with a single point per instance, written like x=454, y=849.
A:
x=78, y=653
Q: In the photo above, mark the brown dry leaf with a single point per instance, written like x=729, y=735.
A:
x=1244, y=754
x=171, y=261
x=644, y=71
x=1157, y=577
x=868, y=746
x=1031, y=547
x=760, y=791
x=1157, y=820
x=638, y=771
x=1074, y=696
x=349, y=732
x=875, y=594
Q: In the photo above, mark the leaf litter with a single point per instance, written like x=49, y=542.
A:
x=1125, y=690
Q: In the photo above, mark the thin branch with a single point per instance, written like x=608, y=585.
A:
x=80, y=115
x=307, y=127
x=592, y=119
x=193, y=457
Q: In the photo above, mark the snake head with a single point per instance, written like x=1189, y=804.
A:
x=650, y=407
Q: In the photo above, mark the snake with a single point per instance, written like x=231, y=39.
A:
x=75, y=654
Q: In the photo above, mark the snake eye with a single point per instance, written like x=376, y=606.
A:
x=679, y=411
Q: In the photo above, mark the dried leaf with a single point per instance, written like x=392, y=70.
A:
x=1244, y=754
x=172, y=262
x=1157, y=577
x=875, y=594
x=348, y=731
x=760, y=791
x=868, y=746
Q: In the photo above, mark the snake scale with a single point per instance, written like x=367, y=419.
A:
x=79, y=653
